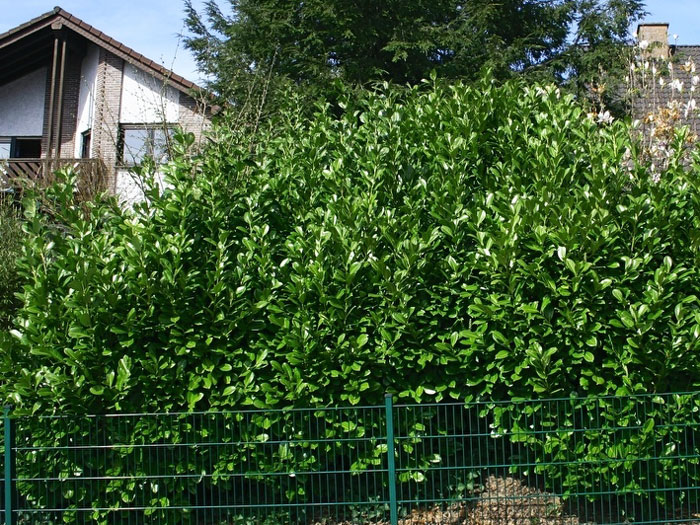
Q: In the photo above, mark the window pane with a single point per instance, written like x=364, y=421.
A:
x=161, y=145
x=5, y=150
x=27, y=148
x=85, y=146
x=135, y=146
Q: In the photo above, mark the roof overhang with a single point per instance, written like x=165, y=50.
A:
x=30, y=46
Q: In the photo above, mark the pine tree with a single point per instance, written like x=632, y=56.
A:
x=314, y=43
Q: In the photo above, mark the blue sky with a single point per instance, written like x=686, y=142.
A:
x=682, y=15
x=151, y=27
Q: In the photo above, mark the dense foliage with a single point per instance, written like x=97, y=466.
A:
x=252, y=44
x=445, y=242
x=10, y=245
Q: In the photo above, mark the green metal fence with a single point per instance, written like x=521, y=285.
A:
x=5, y=475
x=609, y=460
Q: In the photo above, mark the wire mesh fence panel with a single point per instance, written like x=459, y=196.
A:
x=609, y=460
x=2, y=473
x=303, y=466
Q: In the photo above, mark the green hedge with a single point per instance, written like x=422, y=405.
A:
x=447, y=242
x=10, y=246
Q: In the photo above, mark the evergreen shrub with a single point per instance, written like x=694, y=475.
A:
x=441, y=243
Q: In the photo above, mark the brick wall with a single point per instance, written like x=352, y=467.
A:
x=192, y=117
x=656, y=36
x=71, y=93
x=69, y=116
x=47, y=96
x=105, y=131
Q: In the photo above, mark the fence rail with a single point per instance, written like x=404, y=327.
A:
x=607, y=460
x=17, y=174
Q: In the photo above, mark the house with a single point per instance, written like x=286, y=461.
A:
x=69, y=94
x=667, y=78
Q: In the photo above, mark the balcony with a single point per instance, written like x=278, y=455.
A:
x=17, y=174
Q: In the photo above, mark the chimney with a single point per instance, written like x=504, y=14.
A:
x=657, y=37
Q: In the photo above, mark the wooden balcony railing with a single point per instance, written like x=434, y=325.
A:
x=17, y=174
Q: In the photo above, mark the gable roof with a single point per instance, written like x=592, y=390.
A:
x=26, y=47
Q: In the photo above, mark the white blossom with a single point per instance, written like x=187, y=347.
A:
x=655, y=175
x=689, y=107
x=677, y=85
x=604, y=117
x=643, y=44
x=541, y=92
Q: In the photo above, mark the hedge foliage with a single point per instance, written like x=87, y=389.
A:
x=445, y=242
x=454, y=242
x=10, y=247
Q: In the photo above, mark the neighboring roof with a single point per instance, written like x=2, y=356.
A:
x=687, y=53
x=32, y=30
x=659, y=96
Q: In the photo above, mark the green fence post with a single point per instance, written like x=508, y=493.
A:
x=389, y=404
x=9, y=429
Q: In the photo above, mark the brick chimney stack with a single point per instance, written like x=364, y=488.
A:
x=657, y=37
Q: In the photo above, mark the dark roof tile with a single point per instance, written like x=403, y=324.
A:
x=659, y=96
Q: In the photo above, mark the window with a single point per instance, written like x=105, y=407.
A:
x=27, y=149
x=138, y=142
x=20, y=148
x=85, y=145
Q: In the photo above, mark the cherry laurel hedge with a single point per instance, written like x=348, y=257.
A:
x=441, y=243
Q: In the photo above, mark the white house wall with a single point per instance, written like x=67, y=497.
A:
x=145, y=100
x=22, y=106
x=129, y=187
x=86, y=100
